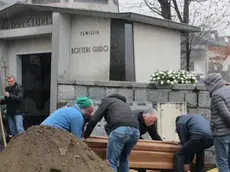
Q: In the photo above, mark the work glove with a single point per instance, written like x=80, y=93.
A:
x=4, y=115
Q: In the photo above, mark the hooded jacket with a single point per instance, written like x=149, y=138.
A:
x=220, y=104
x=116, y=112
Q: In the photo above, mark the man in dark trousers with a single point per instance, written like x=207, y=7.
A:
x=146, y=119
x=195, y=136
x=13, y=98
x=124, y=126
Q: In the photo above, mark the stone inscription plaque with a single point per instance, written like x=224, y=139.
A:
x=29, y=21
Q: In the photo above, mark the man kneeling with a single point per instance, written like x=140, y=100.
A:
x=195, y=136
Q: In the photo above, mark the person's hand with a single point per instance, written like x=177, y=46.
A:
x=83, y=139
x=7, y=94
x=172, y=142
x=187, y=168
x=2, y=98
x=176, y=143
x=107, y=162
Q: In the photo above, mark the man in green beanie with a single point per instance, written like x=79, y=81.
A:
x=72, y=118
x=85, y=104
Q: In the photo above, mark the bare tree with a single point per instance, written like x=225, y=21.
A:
x=160, y=7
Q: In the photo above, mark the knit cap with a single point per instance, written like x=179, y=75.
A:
x=83, y=102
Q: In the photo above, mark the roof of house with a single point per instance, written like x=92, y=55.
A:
x=10, y=10
x=203, y=40
x=212, y=42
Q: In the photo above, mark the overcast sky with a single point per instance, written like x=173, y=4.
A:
x=8, y=1
x=138, y=6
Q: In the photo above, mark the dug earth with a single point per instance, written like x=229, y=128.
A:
x=46, y=149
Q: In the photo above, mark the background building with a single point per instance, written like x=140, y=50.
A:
x=210, y=53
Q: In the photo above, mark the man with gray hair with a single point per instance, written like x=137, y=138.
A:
x=220, y=118
x=147, y=119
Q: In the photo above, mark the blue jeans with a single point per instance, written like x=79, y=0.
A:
x=222, y=147
x=15, y=124
x=121, y=142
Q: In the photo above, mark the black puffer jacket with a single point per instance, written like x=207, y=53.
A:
x=116, y=112
x=220, y=104
x=14, y=103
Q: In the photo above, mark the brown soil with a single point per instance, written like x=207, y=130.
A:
x=46, y=149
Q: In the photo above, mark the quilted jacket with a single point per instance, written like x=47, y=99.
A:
x=220, y=104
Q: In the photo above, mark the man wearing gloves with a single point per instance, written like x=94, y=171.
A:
x=195, y=136
x=124, y=130
x=220, y=119
x=71, y=119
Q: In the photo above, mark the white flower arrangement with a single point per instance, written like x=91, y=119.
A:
x=168, y=77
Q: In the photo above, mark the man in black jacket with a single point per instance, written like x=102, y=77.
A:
x=125, y=130
x=146, y=119
x=195, y=136
x=13, y=98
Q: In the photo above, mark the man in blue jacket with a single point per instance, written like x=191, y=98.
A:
x=71, y=119
x=195, y=136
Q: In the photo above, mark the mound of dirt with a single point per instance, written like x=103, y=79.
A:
x=46, y=149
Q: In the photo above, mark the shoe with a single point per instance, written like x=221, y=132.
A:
x=10, y=137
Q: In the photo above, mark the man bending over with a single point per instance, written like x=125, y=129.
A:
x=71, y=119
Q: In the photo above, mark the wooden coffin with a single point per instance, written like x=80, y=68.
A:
x=146, y=154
